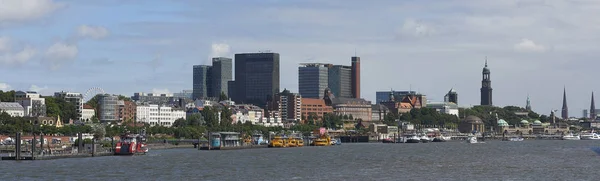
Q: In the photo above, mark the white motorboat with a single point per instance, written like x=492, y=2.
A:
x=570, y=136
x=589, y=136
x=472, y=139
x=516, y=139
x=425, y=139
x=413, y=139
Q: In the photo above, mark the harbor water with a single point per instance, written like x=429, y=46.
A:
x=493, y=160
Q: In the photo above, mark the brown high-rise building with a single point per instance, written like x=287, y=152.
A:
x=355, y=77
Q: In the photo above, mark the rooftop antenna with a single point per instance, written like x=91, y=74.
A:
x=354, y=52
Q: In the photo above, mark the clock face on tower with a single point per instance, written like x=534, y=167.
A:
x=485, y=84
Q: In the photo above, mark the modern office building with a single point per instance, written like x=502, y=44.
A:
x=340, y=81
x=256, y=77
x=452, y=96
x=152, y=98
x=221, y=74
x=313, y=79
x=108, y=108
x=74, y=98
x=202, y=81
x=184, y=94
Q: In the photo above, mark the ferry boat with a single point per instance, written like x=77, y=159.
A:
x=570, y=136
x=299, y=142
x=589, y=136
x=516, y=139
x=323, y=141
x=425, y=139
x=278, y=141
x=131, y=144
x=292, y=142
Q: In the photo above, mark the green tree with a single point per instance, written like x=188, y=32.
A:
x=223, y=97
x=8, y=96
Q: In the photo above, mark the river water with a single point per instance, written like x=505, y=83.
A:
x=494, y=160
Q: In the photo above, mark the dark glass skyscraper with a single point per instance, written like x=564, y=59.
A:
x=221, y=74
x=202, y=81
x=313, y=79
x=340, y=81
x=256, y=77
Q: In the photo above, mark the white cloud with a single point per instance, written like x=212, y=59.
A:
x=60, y=53
x=160, y=91
x=4, y=44
x=12, y=58
x=25, y=10
x=527, y=45
x=95, y=32
x=219, y=50
x=4, y=87
x=37, y=89
x=415, y=28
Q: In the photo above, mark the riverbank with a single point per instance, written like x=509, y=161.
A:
x=162, y=146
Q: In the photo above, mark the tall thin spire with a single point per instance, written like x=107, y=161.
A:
x=593, y=108
x=528, y=105
x=485, y=61
x=565, y=109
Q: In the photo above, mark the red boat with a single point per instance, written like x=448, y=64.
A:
x=131, y=144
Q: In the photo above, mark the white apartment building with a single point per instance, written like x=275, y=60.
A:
x=34, y=105
x=12, y=108
x=87, y=114
x=75, y=98
x=157, y=115
x=247, y=113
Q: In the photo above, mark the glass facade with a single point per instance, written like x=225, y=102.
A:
x=313, y=79
x=201, y=79
x=256, y=77
x=221, y=74
x=340, y=81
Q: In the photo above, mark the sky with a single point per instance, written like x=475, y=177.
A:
x=533, y=47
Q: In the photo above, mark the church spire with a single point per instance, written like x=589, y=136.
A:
x=593, y=108
x=485, y=61
x=565, y=109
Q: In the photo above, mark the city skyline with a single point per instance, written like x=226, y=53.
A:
x=150, y=46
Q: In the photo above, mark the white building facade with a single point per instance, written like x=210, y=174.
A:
x=157, y=115
x=87, y=114
x=12, y=108
x=34, y=105
x=444, y=107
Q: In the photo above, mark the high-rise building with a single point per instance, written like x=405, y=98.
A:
x=256, y=77
x=202, y=81
x=340, y=81
x=565, y=108
x=221, y=75
x=486, y=86
x=108, y=108
x=74, y=98
x=313, y=79
x=355, y=77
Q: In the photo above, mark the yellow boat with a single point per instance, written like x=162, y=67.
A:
x=278, y=142
x=299, y=142
x=324, y=140
x=291, y=142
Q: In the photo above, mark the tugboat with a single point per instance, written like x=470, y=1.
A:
x=131, y=144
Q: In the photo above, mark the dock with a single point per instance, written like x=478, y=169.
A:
x=61, y=156
x=234, y=147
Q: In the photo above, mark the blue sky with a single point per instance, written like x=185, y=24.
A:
x=533, y=47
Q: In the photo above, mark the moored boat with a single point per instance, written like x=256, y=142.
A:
x=131, y=144
x=278, y=141
x=472, y=139
x=570, y=136
x=425, y=139
x=413, y=139
x=589, y=136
